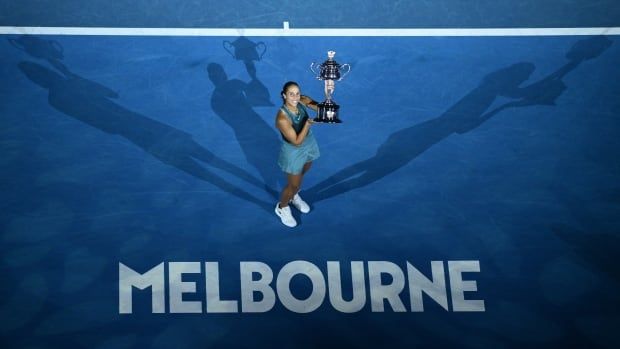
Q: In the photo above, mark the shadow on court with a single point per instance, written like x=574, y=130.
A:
x=466, y=115
x=92, y=103
x=257, y=139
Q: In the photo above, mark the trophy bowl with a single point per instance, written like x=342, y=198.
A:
x=329, y=71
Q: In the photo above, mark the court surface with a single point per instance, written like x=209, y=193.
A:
x=148, y=149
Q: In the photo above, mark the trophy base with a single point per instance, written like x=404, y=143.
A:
x=328, y=113
x=327, y=121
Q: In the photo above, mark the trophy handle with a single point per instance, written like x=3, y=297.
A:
x=226, y=42
x=347, y=72
x=260, y=56
x=312, y=65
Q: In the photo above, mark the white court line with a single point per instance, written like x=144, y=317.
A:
x=287, y=31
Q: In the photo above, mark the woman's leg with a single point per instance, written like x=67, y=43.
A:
x=306, y=168
x=292, y=187
x=297, y=201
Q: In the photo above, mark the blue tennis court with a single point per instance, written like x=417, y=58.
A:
x=470, y=198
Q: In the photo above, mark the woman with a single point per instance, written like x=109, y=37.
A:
x=299, y=149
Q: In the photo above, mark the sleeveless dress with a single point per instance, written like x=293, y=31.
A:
x=292, y=158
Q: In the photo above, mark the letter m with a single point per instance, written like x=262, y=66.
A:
x=129, y=278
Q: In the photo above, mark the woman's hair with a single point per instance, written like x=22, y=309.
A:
x=285, y=88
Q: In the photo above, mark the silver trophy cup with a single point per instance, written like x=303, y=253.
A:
x=329, y=71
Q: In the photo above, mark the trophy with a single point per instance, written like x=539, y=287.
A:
x=329, y=71
x=39, y=48
x=245, y=50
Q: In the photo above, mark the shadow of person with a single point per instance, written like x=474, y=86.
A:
x=49, y=50
x=257, y=139
x=404, y=145
x=548, y=89
x=467, y=114
x=91, y=103
x=247, y=51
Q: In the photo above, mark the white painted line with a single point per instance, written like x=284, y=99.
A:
x=286, y=31
x=285, y=25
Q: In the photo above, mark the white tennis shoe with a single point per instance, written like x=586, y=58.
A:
x=285, y=215
x=300, y=204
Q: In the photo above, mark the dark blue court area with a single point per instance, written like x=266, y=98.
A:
x=469, y=199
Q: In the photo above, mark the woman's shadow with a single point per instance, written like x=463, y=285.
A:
x=92, y=103
x=467, y=114
x=233, y=101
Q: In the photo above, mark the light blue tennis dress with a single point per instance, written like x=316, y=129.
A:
x=292, y=158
